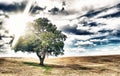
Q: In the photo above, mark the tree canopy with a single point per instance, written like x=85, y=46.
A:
x=43, y=38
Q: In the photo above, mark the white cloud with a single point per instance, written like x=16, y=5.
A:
x=105, y=50
x=78, y=8
x=86, y=5
x=10, y=1
x=110, y=11
x=80, y=37
x=11, y=53
x=74, y=51
x=111, y=23
x=79, y=43
x=99, y=40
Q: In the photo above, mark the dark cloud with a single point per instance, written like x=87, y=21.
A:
x=105, y=31
x=0, y=37
x=114, y=41
x=98, y=43
x=116, y=14
x=99, y=37
x=95, y=42
x=62, y=10
x=116, y=6
x=56, y=11
x=102, y=36
x=1, y=23
x=109, y=41
x=74, y=30
x=116, y=33
x=92, y=13
x=36, y=9
x=111, y=38
x=90, y=24
x=93, y=24
x=15, y=7
x=104, y=40
x=12, y=7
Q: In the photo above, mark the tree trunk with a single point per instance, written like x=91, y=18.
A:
x=42, y=61
x=41, y=57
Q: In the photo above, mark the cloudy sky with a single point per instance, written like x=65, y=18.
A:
x=92, y=26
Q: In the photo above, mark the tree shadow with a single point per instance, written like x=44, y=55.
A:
x=50, y=66
x=32, y=64
x=2, y=60
x=45, y=67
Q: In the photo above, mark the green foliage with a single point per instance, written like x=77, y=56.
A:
x=42, y=35
x=27, y=43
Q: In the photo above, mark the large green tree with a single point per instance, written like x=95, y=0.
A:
x=43, y=38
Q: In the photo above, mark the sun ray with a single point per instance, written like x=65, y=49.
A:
x=17, y=23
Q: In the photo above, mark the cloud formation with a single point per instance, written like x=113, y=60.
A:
x=88, y=24
x=14, y=7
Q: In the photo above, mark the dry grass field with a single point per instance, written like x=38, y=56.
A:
x=66, y=66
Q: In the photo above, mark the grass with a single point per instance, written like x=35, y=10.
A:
x=67, y=66
x=46, y=68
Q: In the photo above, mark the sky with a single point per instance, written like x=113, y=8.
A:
x=92, y=27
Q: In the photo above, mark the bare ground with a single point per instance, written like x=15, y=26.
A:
x=67, y=66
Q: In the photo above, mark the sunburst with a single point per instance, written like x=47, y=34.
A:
x=16, y=23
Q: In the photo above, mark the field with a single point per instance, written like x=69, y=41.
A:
x=66, y=66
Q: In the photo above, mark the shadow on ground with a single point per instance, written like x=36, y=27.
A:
x=71, y=66
x=2, y=60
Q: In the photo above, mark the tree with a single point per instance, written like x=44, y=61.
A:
x=43, y=38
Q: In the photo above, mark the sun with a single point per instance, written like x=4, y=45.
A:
x=17, y=22
x=16, y=25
